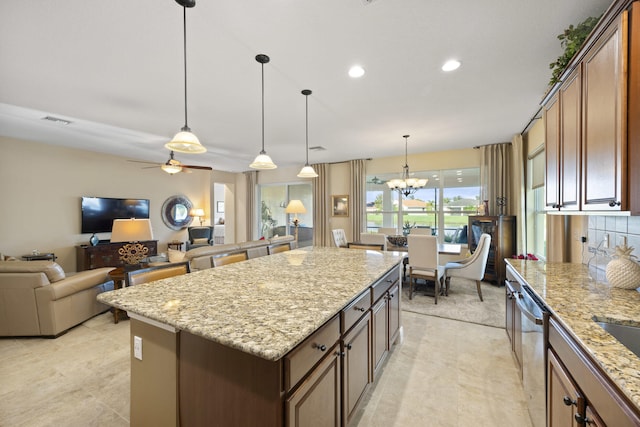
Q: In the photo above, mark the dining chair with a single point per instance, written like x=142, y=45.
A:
x=423, y=262
x=157, y=272
x=375, y=239
x=228, y=258
x=389, y=231
x=339, y=238
x=274, y=249
x=421, y=231
x=368, y=246
x=471, y=268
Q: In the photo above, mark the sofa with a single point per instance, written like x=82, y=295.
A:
x=37, y=298
x=201, y=258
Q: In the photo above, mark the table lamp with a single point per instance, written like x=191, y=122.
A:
x=197, y=212
x=295, y=207
x=132, y=231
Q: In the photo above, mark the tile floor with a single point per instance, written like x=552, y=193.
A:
x=446, y=373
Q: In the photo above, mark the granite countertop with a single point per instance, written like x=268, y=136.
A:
x=574, y=298
x=264, y=306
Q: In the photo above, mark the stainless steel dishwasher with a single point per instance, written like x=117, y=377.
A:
x=535, y=319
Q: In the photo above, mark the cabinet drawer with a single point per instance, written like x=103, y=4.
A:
x=383, y=285
x=355, y=310
x=298, y=363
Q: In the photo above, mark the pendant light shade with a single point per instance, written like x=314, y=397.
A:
x=263, y=161
x=307, y=171
x=185, y=141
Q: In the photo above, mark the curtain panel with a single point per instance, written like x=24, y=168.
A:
x=321, y=232
x=495, y=176
x=252, y=180
x=519, y=192
x=357, y=199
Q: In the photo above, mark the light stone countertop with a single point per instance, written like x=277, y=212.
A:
x=574, y=298
x=264, y=306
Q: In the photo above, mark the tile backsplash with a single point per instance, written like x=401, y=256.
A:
x=617, y=228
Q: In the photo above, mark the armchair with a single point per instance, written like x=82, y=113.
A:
x=199, y=236
x=471, y=268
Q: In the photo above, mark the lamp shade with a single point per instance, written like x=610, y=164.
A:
x=186, y=142
x=307, y=172
x=295, y=207
x=171, y=168
x=131, y=230
x=197, y=212
x=263, y=161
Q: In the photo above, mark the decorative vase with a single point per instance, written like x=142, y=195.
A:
x=623, y=271
x=94, y=240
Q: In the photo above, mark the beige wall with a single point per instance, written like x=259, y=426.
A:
x=42, y=186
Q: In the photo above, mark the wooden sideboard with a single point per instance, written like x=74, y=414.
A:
x=105, y=255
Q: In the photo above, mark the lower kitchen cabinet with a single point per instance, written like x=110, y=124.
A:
x=578, y=391
x=513, y=318
x=317, y=401
x=356, y=366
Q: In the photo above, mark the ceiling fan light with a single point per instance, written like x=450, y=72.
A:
x=263, y=161
x=186, y=142
x=171, y=168
x=307, y=172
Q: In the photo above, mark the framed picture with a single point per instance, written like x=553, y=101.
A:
x=340, y=205
x=220, y=207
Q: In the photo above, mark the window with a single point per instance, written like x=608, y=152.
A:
x=272, y=219
x=536, y=215
x=444, y=204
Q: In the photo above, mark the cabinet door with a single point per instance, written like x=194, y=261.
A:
x=317, y=401
x=356, y=366
x=564, y=401
x=592, y=418
x=394, y=314
x=570, y=136
x=380, y=334
x=552, y=153
x=604, y=114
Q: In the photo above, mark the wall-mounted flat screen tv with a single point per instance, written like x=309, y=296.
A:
x=98, y=213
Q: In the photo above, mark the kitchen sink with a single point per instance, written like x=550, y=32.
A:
x=628, y=335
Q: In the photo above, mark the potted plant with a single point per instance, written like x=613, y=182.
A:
x=571, y=41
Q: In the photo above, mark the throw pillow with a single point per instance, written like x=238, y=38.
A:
x=203, y=241
x=175, y=256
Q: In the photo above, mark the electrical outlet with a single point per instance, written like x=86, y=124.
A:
x=622, y=240
x=137, y=347
x=606, y=241
x=583, y=239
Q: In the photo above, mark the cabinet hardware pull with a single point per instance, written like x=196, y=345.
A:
x=348, y=346
x=340, y=353
x=391, y=296
x=582, y=419
x=614, y=203
x=567, y=401
x=359, y=308
x=322, y=347
x=388, y=280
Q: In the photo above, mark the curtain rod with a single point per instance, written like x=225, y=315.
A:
x=535, y=117
x=477, y=147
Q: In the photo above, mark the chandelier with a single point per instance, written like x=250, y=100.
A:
x=406, y=185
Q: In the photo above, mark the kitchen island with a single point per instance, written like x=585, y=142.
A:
x=267, y=341
x=606, y=372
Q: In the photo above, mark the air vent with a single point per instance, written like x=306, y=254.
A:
x=57, y=120
x=317, y=148
x=366, y=2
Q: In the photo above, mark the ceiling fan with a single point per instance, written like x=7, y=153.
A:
x=173, y=166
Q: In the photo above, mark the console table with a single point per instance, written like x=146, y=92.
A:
x=40, y=257
x=105, y=255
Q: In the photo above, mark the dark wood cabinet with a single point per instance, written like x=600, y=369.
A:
x=513, y=320
x=551, y=112
x=105, y=255
x=502, y=230
x=564, y=401
x=356, y=366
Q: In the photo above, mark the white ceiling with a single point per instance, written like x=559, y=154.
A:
x=114, y=68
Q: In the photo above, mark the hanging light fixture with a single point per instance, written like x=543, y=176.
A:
x=406, y=185
x=185, y=141
x=307, y=171
x=263, y=161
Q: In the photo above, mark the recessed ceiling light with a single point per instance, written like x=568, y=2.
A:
x=356, y=71
x=451, y=65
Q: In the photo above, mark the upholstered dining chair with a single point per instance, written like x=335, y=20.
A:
x=157, y=272
x=339, y=238
x=471, y=268
x=389, y=231
x=423, y=262
x=228, y=258
x=421, y=231
x=374, y=239
x=275, y=249
x=199, y=236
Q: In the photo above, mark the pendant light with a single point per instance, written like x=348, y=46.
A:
x=307, y=171
x=185, y=141
x=263, y=161
x=406, y=185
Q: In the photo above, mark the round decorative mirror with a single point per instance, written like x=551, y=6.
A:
x=175, y=212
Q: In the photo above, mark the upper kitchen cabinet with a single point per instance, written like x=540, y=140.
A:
x=592, y=120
